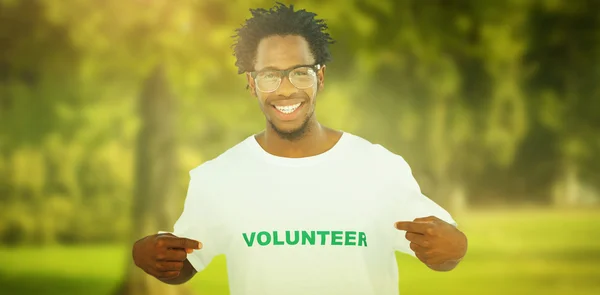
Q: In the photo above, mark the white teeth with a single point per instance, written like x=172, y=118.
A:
x=288, y=109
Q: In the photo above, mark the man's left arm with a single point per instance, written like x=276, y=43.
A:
x=438, y=244
x=423, y=228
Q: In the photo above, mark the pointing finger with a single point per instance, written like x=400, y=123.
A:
x=413, y=227
x=426, y=219
x=181, y=243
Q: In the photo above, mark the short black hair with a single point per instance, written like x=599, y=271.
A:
x=280, y=20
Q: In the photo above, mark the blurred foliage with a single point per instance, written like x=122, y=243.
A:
x=492, y=101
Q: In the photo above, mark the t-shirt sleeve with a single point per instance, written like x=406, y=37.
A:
x=410, y=203
x=197, y=222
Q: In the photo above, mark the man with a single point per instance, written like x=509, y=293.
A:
x=300, y=208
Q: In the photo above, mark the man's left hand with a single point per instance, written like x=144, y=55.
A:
x=434, y=241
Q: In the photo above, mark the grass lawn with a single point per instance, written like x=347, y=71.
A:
x=511, y=252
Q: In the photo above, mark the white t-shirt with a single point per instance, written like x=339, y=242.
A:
x=315, y=225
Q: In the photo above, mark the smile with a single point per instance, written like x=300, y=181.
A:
x=288, y=109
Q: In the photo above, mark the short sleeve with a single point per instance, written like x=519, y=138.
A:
x=410, y=203
x=197, y=222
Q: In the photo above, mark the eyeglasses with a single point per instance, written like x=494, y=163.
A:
x=302, y=77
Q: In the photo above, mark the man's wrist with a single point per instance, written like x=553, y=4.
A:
x=446, y=265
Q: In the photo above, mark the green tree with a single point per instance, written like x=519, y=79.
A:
x=37, y=161
x=164, y=50
x=441, y=85
x=564, y=49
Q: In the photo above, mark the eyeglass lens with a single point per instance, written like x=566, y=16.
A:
x=302, y=78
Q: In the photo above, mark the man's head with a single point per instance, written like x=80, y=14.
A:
x=283, y=53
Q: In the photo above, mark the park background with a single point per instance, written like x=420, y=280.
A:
x=106, y=105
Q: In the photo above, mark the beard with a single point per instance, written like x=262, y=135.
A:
x=296, y=134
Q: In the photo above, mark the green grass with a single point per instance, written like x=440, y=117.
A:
x=511, y=252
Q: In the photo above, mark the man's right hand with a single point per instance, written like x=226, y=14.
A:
x=163, y=255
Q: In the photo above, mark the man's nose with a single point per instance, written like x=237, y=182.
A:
x=286, y=88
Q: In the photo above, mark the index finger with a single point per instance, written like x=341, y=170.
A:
x=413, y=227
x=181, y=243
x=427, y=219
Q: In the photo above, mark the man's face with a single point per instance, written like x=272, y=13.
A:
x=290, y=108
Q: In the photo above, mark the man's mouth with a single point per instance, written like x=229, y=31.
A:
x=289, y=108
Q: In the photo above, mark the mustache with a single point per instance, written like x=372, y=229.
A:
x=297, y=95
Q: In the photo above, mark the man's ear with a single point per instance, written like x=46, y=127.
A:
x=251, y=86
x=321, y=78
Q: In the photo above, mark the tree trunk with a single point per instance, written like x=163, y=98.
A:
x=566, y=190
x=440, y=150
x=457, y=201
x=572, y=185
x=155, y=196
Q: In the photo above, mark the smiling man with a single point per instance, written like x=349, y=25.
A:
x=300, y=208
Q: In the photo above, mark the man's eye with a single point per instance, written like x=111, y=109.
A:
x=269, y=76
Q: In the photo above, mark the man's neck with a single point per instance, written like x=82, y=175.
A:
x=316, y=140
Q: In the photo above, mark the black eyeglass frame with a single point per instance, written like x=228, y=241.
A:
x=284, y=73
